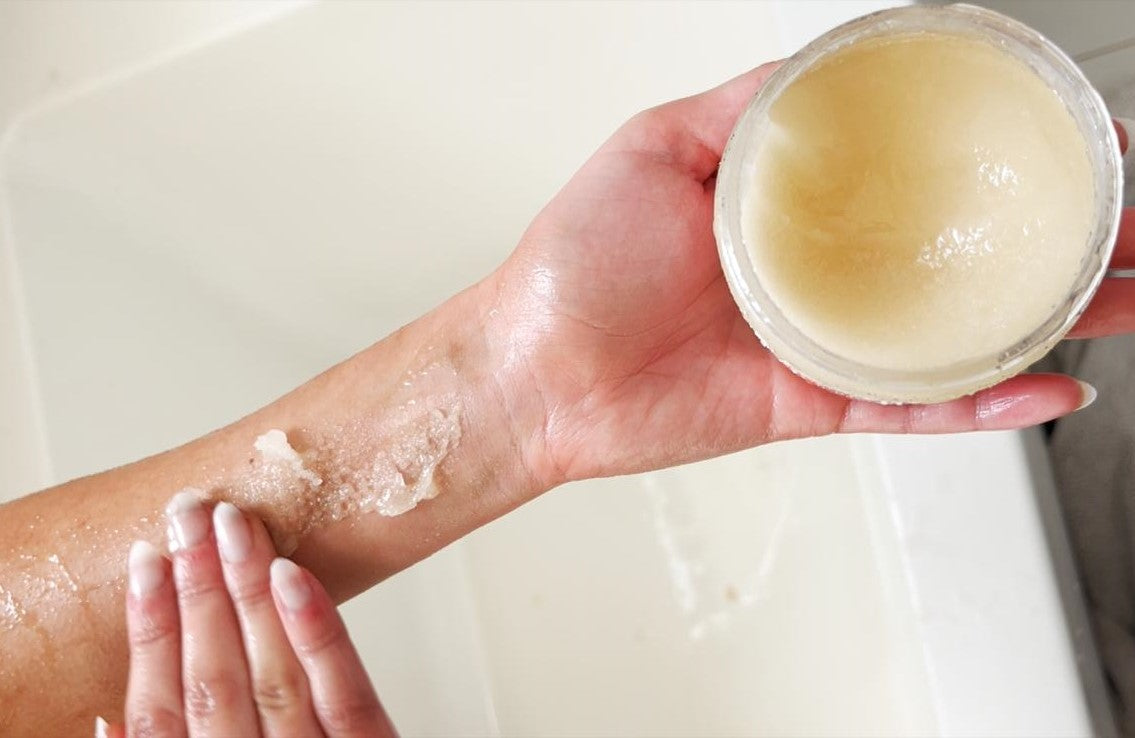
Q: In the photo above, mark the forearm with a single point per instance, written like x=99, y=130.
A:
x=427, y=416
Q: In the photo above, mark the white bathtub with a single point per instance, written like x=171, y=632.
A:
x=201, y=206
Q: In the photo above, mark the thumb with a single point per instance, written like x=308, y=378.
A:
x=692, y=132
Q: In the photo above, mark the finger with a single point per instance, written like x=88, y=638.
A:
x=711, y=115
x=1124, y=255
x=279, y=687
x=103, y=729
x=1123, y=129
x=1020, y=402
x=153, y=688
x=1111, y=312
x=692, y=132
x=217, y=697
x=344, y=698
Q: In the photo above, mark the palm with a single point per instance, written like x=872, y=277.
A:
x=643, y=360
x=649, y=344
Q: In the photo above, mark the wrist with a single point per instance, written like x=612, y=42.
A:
x=498, y=344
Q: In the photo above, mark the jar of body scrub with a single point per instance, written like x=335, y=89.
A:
x=919, y=204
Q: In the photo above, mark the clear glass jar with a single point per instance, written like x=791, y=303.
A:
x=815, y=363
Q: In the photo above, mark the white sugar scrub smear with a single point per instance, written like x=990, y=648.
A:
x=275, y=450
x=397, y=471
x=918, y=204
x=386, y=464
x=919, y=201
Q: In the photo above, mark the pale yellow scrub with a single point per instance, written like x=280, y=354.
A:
x=919, y=201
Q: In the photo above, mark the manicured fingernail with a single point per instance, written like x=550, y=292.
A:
x=102, y=728
x=188, y=519
x=1087, y=394
x=290, y=584
x=233, y=536
x=1128, y=127
x=147, y=572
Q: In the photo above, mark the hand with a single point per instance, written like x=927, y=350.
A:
x=228, y=641
x=636, y=346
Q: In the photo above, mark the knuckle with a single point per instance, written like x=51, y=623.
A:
x=251, y=594
x=648, y=118
x=206, y=697
x=349, y=716
x=644, y=125
x=327, y=639
x=193, y=588
x=156, y=722
x=197, y=574
x=148, y=630
x=280, y=692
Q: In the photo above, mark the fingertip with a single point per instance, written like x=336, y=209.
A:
x=189, y=521
x=746, y=84
x=291, y=585
x=234, y=539
x=262, y=538
x=721, y=106
x=1123, y=128
x=701, y=123
x=1027, y=400
x=146, y=569
x=103, y=729
x=1088, y=395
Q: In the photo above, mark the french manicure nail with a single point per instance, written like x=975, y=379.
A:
x=233, y=537
x=188, y=519
x=1087, y=394
x=289, y=582
x=146, y=571
x=1128, y=126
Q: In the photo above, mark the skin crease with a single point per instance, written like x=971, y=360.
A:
x=606, y=344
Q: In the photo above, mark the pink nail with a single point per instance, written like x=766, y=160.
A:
x=233, y=537
x=188, y=519
x=1128, y=127
x=146, y=569
x=290, y=584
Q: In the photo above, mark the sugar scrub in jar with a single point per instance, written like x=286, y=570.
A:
x=919, y=204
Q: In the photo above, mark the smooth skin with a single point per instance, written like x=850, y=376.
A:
x=606, y=344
